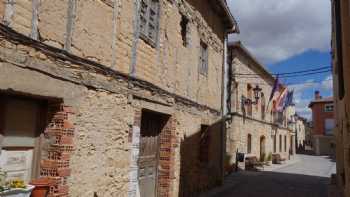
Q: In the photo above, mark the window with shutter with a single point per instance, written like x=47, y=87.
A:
x=149, y=19
x=203, y=59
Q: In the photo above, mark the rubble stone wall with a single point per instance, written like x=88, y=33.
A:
x=104, y=112
x=103, y=31
x=257, y=125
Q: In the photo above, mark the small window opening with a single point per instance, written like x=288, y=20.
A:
x=184, y=30
x=203, y=59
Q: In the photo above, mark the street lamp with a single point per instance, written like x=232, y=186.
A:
x=257, y=91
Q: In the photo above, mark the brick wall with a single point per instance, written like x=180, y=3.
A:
x=319, y=116
x=55, y=163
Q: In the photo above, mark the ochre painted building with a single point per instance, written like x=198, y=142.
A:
x=114, y=97
x=341, y=73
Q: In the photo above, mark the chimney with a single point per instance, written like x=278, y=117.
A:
x=317, y=95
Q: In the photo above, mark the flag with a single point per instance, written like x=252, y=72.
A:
x=281, y=101
x=289, y=100
x=274, y=90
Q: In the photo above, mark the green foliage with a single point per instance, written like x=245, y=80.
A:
x=269, y=157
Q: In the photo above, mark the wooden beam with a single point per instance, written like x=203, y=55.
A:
x=35, y=7
x=70, y=24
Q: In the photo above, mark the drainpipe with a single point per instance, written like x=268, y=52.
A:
x=224, y=93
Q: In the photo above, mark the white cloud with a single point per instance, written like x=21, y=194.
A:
x=275, y=30
x=327, y=84
x=301, y=99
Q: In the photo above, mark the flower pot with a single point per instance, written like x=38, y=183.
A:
x=41, y=187
x=17, y=192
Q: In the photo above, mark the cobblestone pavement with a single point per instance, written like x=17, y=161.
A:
x=307, y=178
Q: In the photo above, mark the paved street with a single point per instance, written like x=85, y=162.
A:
x=308, y=177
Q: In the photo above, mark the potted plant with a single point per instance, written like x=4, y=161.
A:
x=16, y=188
x=269, y=158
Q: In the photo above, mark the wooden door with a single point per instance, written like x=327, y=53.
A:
x=148, y=164
x=151, y=126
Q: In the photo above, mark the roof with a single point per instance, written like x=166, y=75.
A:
x=322, y=100
x=221, y=7
x=238, y=45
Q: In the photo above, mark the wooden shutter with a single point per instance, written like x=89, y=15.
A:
x=143, y=16
x=149, y=18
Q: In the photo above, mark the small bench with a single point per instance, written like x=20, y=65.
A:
x=277, y=159
x=251, y=163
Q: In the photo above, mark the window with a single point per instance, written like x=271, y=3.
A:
x=250, y=97
x=280, y=148
x=22, y=121
x=329, y=108
x=263, y=106
x=184, y=30
x=204, y=144
x=329, y=125
x=203, y=59
x=149, y=19
x=249, y=144
x=285, y=143
x=275, y=143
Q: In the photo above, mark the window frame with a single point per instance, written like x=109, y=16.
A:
x=203, y=58
x=40, y=125
x=184, y=24
x=151, y=6
x=327, y=106
x=249, y=143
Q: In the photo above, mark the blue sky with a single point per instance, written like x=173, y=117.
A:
x=305, y=86
x=288, y=36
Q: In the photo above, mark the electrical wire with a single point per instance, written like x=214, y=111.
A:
x=287, y=76
x=289, y=73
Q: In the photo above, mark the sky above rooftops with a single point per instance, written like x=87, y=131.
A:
x=288, y=36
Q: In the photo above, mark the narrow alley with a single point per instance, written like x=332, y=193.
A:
x=308, y=177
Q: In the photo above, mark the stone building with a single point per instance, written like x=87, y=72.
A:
x=300, y=132
x=341, y=84
x=253, y=128
x=323, y=125
x=114, y=97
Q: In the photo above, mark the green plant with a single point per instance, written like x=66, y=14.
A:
x=262, y=157
x=269, y=157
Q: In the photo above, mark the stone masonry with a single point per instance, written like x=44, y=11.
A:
x=341, y=71
x=88, y=54
x=265, y=135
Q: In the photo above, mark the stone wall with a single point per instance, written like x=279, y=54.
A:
x=260, y=125
x=77, y=26
x=105, y=109
x=342, y=104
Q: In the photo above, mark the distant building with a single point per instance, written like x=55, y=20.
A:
x=300, y=132
x=254, y=128
x=323, y=124
x=341, y=84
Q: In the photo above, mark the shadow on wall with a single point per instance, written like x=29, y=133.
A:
x=201, y=165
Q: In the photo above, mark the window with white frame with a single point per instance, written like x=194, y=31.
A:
x=329, y=126
x=329, y=108
x=203, y=59
x=149, y=20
